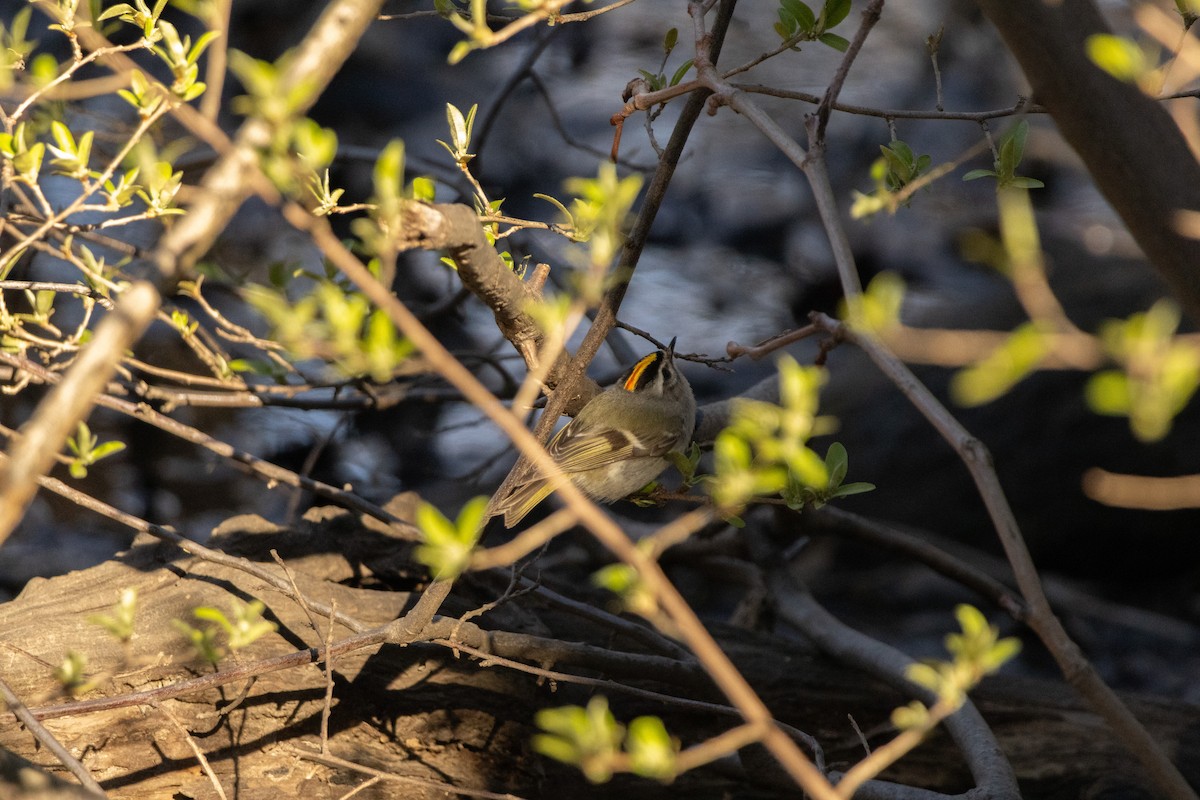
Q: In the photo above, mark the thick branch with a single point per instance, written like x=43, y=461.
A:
x=1128, y=142
x=456, y=228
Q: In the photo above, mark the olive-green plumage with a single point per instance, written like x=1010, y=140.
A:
x=617, y=442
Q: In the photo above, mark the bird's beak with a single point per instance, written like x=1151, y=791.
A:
x=671, y=346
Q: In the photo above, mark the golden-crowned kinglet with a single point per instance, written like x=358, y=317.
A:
x=617, y=442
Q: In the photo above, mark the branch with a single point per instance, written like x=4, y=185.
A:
x=456, y=228
x=44, y=736
x=870, y=16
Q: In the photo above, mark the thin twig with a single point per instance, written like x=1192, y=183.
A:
x=604, y=684
x=334, y=761
x=196, y=751
x=327, y=706
x=1022, y=106
x=34, y=726
x=870, y=16
x=525, y=542
x=265, y=469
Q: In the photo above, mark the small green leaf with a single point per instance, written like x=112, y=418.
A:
x=839, y=43
x=120, y=621
x=423, y=189
x=214, y=615
x=1118, y=56
x=670, y=40
x=1003, y=368
x=975, y=174
x=1107, y=392
x=848, y=489
x=924, y=675
x=836, y=463
x=107, y=449
x=913, y=716
x=800, y=12
x=971, y=620
x=835, y=11
x=471, y=518
x=1020, y=182
x=679, y=73
x=62, y=137
x=651, y=749
x=116, y=11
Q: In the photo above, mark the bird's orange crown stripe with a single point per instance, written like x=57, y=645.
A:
x=639, y=368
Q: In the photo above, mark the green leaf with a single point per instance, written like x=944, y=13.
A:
x=899, y=161
x=120, y=622
x=1003, y=368
x=587, y=738
x=670, y=40
x=214, y=615
x=679, y=73
x=651, y=750
x=836, y=463
x=62, y=137
x=1118, y=56
x=107, y=449
x=835, y=11
x=446, y=549
x=800, y=12
x=839, y=43
x=971, y=620
x=913, y=716
x=424, y=189
x=1012, y=150
x=900, y=148
x=1020, y=182
x=924, y=675
x=1108, y=392
x=848, y=489
x=389, y=172
x=1002, y=652
x=471, y=518
x=975, y=174
x=460, y=51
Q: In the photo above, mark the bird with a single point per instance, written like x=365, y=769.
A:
x=619, y=440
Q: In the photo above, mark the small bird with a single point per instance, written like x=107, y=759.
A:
x=617, y=442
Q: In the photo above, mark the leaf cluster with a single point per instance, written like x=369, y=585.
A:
x=446, y=545
x=334, y=324
x=975, y=652
x=764, y=450
x=892, y=172
x=1159, y=373
x=86, y=450
x=246, y=627
x=799, y=23
x=1009, y=153
x=591, y=739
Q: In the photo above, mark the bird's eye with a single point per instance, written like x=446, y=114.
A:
x=666, y=373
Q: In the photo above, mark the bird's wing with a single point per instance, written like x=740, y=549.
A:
x=577, y=452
